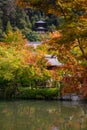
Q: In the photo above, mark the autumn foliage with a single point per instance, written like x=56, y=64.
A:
x=69, y=43
x=74, y=76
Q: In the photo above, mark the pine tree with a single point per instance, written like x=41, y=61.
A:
x=8, y=27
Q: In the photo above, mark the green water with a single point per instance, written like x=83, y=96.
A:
x=42, y=115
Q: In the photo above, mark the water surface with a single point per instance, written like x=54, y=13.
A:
x=42, y=115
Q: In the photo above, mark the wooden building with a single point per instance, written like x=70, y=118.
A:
x=40, y=26
x=53, y=62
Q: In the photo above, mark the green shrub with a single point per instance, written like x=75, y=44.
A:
x=45, y=93
x=48, y=93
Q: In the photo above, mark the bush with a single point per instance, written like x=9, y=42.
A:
x=45, y=93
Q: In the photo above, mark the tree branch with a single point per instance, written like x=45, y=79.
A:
x=81, y=49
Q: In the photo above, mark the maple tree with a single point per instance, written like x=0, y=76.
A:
x=75, y=65
x=19, y=66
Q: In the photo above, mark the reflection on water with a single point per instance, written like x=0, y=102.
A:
x=43, y=115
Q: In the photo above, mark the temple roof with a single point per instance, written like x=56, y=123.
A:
x=53, y=60
x=42, y=28
x=34, y=44
x=40, y=21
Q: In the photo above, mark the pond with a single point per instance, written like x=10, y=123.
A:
x=43, y=115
